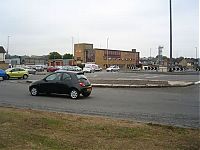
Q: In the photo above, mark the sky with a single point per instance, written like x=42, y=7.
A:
x=38, y=27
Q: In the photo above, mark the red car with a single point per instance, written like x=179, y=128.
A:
x=52, y=69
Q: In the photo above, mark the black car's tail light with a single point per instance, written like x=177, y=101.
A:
x=82, y=84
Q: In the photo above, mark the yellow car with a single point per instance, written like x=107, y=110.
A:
x=17, y=73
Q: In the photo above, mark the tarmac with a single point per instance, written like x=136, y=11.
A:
x=136, y=84
x=139, y=83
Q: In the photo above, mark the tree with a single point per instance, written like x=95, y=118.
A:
x=164, y=57
x=55, y=55
x=67, y=56
x=179, y=59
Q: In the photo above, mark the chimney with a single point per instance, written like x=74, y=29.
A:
x=134, y=50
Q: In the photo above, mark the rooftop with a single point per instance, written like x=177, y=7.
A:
x=2, y=50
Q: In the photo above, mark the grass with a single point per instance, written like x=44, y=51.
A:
x=30, y=129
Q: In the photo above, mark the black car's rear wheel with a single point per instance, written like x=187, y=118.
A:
x=86, y=94
x=74, y=94
x=34, y=91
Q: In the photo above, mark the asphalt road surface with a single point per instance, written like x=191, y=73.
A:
x=172, y=106
x=135, y=75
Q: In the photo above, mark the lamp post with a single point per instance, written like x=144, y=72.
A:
x=72, y=45
x=170, y=3
x=7, y=47
x=196, y=52
x=107, y=50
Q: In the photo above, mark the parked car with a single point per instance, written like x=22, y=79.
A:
x=113, y=68
x=3, y=74
x=136, y=69
x=71, y=68
x=39, y=68
x=30, y=70
x=76, y=68
x=52, y=69
x=97, y=68
x=63, y=82
x=88, y=69
x=17, y=73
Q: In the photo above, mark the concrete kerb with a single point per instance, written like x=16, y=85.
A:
x=180, y=83
x=170, y=84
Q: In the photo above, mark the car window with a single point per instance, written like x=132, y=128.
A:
x=55, y=76
x=81, y=76
x=14, y=70
x=66, y=76
x=20, y=69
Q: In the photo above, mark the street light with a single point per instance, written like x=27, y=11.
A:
x=8, y=45
x=72, y=45
x=196, y=52
x=170, y=3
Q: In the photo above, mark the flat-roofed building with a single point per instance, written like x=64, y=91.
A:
x=85, y=53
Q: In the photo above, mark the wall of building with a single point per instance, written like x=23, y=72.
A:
x=2, y=57
x=124, y=59
x=80, y=51
x=84, y=53
x=34, y=61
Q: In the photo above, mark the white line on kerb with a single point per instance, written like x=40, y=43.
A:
x=198, y=82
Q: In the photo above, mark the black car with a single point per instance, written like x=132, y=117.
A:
x=63, y=82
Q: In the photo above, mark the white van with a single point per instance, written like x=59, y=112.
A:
x=90, y=68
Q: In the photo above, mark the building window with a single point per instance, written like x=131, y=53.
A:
x=78, y=58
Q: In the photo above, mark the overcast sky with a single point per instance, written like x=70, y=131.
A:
x=37, y=27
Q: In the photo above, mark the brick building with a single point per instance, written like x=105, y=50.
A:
x=85, y=53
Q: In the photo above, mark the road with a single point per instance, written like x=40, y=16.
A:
x=136, y=75
x=172, y=106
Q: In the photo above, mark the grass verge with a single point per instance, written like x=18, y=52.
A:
x=31, y=129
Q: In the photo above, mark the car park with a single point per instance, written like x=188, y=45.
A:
x=3, y=74
x=97, y=68
x=88, y=69
x=30, y=70
x=52, y=69
x=17, y=73
x=63, y=82
x=39, y=68
x=76, y=68
x=71, y=68
x=113, y=68
x=136, y=69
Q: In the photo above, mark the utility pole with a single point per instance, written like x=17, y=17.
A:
x=107, y=50
x=170, y=3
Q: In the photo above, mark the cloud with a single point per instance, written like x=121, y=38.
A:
x=37, y=27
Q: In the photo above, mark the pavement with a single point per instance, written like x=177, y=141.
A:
x=135, y=83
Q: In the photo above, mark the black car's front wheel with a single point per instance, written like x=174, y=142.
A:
x=34, y=91
x=74, y=94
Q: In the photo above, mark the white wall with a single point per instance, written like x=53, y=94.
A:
x=2, y=57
